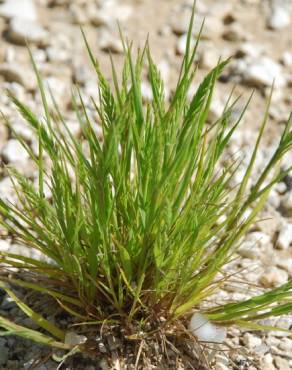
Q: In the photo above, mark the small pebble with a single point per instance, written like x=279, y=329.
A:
x=7, y=190
x=278, y=19
x=282, y=363
x=109, y=14
x=110, y=43
x=181, y=44
x=4, y=244
x=285, y=236
x=3, y=135
x=235, y=32
x=263, y=72
x=209, y=58
x=273, y=277
x=251, y=340
x=146, y=92
x=286, y=203
x=220, y=366
x=24, y=9
x=286, y=59
x=13, y=151
x=12, y=72
x=22, y=31
x=249, y=49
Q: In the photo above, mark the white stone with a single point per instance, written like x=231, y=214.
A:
x=164, y=70
x=286, y=344
x=216, y=110
x=22, y=129
x=21, y=250
x=251, y=340
x=278, y=19
x=281, y=187
x=259, y=237
x=281, y=322
x=285, y=263
x=267, y=362
x=286, y=203
x=13, y=72
x=57, y=55
x=274, y=199
x=209, y=58
x=285, y=236
x=253, y=245
x=146, y=92
x=213, y=27
x=4, y=245
x=235, y=32
x=287, y=59
x=74, y=127
x=39, y=56
x=13, y=151
x=220, y=366
x=262, y=72
x=22, y=31
x=181, y=44
x=273, y=277
x=59, y=90
x=3, y=135
x=282, y=363
x=109, y=13
x=110, y=43
x=180, y=23
x=239, y=66
x=78, y=14
x=192, y=91
x=24, y=9
x=7, y=190
x=249, y=49
x=286, y=163
x=205, y=331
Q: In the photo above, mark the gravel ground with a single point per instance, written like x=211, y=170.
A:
x=258, y=34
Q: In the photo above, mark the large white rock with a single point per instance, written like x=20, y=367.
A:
x=24, y=9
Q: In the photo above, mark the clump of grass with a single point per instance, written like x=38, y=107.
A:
x=139, y=223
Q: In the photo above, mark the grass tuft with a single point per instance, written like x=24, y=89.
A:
x=133, y=232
